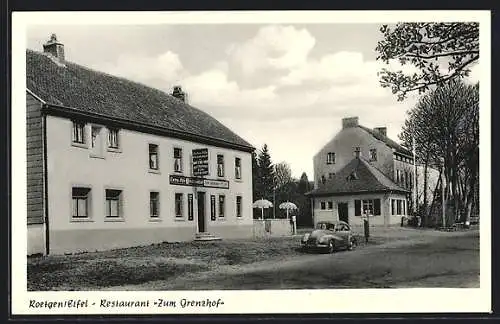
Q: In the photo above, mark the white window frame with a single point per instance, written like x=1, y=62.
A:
x=180, y=159
x=151, y=201
x=240, y=206
x=88, y=202
x=330, y=158
x=222, y=207
x=114, y=147
x=157, y=153
x=180, y=215
x=237, y=158
x=76, y=124
x=223, y=173
x=120, y=208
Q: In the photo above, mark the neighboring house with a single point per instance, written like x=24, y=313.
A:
x=360, y=170
x=109, y=163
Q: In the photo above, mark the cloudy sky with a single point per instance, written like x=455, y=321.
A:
x=285, y=85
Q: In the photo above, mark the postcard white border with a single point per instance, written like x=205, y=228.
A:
x=264, y=301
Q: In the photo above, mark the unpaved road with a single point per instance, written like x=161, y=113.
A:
x=429, y=260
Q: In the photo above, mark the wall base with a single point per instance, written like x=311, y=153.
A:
x=36, y=239
x=91, y=240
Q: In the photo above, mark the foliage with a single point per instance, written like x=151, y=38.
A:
x=429, y=47
x=282, y=174
x=266, y=183
x=255, y=176
x=445, y=125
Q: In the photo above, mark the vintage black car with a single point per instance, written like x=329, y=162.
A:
x=329, y=237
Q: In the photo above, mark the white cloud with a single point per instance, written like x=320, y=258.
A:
x=166, y=67
x=275, y=47
x=294, y=113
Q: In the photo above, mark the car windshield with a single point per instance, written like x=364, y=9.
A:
x=325, y=226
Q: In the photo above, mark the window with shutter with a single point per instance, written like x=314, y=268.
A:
x=376, y=207
x=357, y=208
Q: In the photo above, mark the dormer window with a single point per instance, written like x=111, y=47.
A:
x=330, y=158
x=373, y=155
x=357, y=151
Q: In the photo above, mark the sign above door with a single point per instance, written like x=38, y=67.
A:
x=198, y=182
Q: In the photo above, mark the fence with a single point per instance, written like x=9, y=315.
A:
x=271, y=228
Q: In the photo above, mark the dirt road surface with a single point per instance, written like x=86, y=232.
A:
x=427, y=260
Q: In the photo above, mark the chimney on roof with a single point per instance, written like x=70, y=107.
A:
x=179, y=94
x=349, y=122
x=55, y=48
x=381, y=130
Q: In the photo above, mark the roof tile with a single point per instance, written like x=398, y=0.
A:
x=74, y=86
x=368, y=179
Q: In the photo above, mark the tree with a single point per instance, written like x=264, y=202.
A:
x=282, y=174
x=266, y=184
x=431, y=48
x=255, y=177
x=445, y=125
x=304, y=203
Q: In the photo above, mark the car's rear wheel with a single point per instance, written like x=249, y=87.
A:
x=331, y=246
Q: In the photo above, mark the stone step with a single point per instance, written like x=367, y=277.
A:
x=206, y=237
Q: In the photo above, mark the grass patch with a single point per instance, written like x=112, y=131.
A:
x=137, y=265
x=85, y=275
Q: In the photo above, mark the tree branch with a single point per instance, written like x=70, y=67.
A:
x=441, y=54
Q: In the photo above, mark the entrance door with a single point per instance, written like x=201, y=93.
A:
x=201, y=212
x=343, y=212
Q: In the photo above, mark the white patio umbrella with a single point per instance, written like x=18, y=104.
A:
x=288, y=206
x=262, y=203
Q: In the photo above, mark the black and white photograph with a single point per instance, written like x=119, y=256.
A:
x=194, y=162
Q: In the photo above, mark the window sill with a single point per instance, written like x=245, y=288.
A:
x=180, y=219
x=221, y=219
x=238, y=180
x=154, y=171
x=95, y=156
x=178, y=172
x=80, y=145
x=81, y=220
x=114, y=219
x=114, y=149
x=155, y=219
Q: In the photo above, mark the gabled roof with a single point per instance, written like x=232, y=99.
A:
x=389, y=142
x=358, y=176
x=70, y=85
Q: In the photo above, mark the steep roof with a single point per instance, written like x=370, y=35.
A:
x=358, y=176
x=82, y=89
x=389, y=142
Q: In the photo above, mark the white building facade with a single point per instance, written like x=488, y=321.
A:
x=119, y=177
